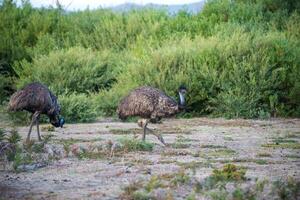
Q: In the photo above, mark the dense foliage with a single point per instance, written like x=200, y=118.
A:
x=238, y=58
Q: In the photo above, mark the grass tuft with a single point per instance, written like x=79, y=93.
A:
x=132, y=144
x=228, y=173
x=282, y=145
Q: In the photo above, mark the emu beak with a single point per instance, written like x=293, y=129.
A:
x=61, y=122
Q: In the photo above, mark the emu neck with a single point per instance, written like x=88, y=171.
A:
x=181, y=99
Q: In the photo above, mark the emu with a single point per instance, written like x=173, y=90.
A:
x=150, y=104
x=37, y=99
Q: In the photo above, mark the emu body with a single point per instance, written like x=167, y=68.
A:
x=150, y=104
x=37, y=99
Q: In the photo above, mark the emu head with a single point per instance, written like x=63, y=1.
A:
x=53, y=115
x=57, y=121
x=182, y=91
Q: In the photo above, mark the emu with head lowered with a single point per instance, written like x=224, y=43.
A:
x=37, y=99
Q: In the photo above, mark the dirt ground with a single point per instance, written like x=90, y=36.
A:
x=267, y=150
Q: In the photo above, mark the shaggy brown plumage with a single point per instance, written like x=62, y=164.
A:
x=147, y=102
x=150, y=104
x=37, y=99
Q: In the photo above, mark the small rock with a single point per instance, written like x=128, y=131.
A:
x=127, y=171
x=148, y=171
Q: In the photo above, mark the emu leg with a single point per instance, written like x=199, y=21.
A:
x=143, y=124
x=145, y=129
x=33, y=120
x=158, y=135
x=37, y=127
x=30, y=128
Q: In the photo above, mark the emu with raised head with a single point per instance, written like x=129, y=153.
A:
x=150, y=104
x=37, y=99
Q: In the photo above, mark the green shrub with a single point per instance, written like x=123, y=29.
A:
x=14, y=137
x=219, y=177
x=5, y=84
x=238, y=58
x=73, y=70
x=77, y=107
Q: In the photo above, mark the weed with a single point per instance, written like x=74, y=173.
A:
x=132, y=144
x=143, y=161
x=181, y=142
x=179, y=145
x=295, y=156
x=170, y=195
x=129, y=190
x=166, y=161
x=211, y=146
x=283, y=140
x=229, y=172
x=221, y=152
x=76, y=140
x=259, y=185
x=217, y=195
x=283, y=145
x=293, y=135
x=17, y=159
x=67, y=146
x=173, y=152
x=47, y=138
x=227, y=138
x=243, y=160
x=67, y=143
x=154, y=182
x=2, y=134
x=190, y=165
x=198, y=187
x=28, y=146
x=48, y=128
x=38, y=147
x=264, y=154
x=14, y=137
x=85, y=154
x=191, y=196
x=180, y=178
x=124, y=131
x=261, y=162
x=141, y=195
x=193, y=165
x=14, y=152
x=240, y=194
x=286, y=190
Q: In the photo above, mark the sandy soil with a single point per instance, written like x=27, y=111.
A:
x=203, y=144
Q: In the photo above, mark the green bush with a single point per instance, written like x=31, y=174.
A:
x=73, y=70
x=5, y=84
x=238, y=58
x=247, y=75
x=77, y=107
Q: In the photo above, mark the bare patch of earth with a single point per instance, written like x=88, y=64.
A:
x=267, y=150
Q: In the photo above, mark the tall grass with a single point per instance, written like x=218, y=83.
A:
x=238, y=58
